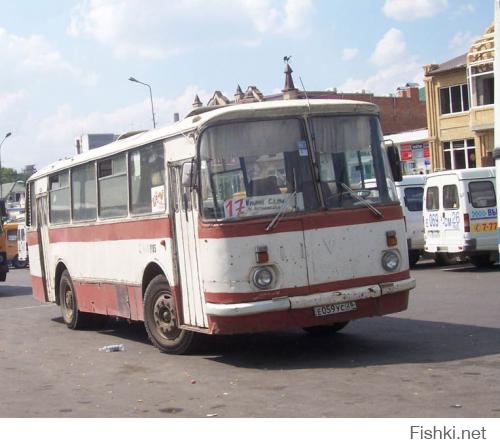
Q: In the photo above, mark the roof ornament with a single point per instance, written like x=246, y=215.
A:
x=197, y=102
x=289, y=91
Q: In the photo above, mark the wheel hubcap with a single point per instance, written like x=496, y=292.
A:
x=68, y=304
x=165, y=318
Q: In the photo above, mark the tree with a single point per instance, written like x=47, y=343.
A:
x=8, y=175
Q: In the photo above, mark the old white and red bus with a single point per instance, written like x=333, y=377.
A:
x=237, y=219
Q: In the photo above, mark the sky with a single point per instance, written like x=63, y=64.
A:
x=64, y=65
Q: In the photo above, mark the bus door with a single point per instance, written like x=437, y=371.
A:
x=42, y=211
x=185, y=215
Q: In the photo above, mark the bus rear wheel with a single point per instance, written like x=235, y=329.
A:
x=325, y=330
x=161, y=320
x=72, y=316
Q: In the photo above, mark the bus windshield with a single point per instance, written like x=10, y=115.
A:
x=255, y=169
x=352, y=167
x=261, y=168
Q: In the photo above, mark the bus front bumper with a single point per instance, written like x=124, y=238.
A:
x=357, y=295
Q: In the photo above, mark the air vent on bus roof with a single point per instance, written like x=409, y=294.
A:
x=203, y=109
x=129, y=134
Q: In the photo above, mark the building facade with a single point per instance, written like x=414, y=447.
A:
x=403, y=111
x=414, y=151
x=460, y=107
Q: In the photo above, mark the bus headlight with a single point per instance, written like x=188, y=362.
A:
x=390, y=260
x=263, y=277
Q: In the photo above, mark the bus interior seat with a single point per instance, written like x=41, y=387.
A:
x=263, y=187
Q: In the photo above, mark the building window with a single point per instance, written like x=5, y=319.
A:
x=459, y=154
x=454, y=99
x=482, y=84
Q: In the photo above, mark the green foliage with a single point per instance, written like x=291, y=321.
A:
x=8, y=175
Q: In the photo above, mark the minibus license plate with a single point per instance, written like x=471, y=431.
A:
x=335, y=308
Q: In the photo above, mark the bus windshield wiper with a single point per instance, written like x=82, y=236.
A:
x=363, y=201
x=281, y=211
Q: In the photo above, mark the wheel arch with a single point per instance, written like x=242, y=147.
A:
x=60, y=268
x=152, y=270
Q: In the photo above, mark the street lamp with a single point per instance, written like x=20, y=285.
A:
x=150, y=96
x=1, y=143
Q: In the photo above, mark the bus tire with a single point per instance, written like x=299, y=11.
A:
x=19, y=264
x=482, y=261
x=413, y=257
x=445, y=259
x=72, y=316
x=326, y=330
x=161, y=319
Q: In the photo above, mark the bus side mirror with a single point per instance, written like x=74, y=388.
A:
x=188, y=175
x=395, y=163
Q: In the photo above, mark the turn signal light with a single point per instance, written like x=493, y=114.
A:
x=261, y=254
x=392, y=239
x=466, y=222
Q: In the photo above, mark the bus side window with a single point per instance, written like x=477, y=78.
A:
x=113, y=200
x=83, y=188
x=147, y=179
x=60, y=199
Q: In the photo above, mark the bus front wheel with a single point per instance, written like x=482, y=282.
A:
x=72, y=316
x=161, y=319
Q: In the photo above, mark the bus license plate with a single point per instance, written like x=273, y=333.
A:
x=335, y=308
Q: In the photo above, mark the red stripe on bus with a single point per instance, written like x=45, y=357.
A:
x=127, y=230
x=302, y=318
x=242, y=297
x=38, y=289
x=32, y=238
x=110, y=299
x=318, y=220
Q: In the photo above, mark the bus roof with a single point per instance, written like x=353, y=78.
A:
x=464, y=174
x=196, y=121
x=412, y=179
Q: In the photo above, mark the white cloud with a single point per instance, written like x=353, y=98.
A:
x=468, y=8
x=36, y=54
x=10, y=101
x=349, y=53
x=390, y=48
x=462, y=41
x=388, y=79
x=396, y=67
x=408, y=10
x=58, y=131
x=156, y=29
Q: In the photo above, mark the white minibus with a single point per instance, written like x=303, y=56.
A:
x=410, y=193
x=460, y=215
